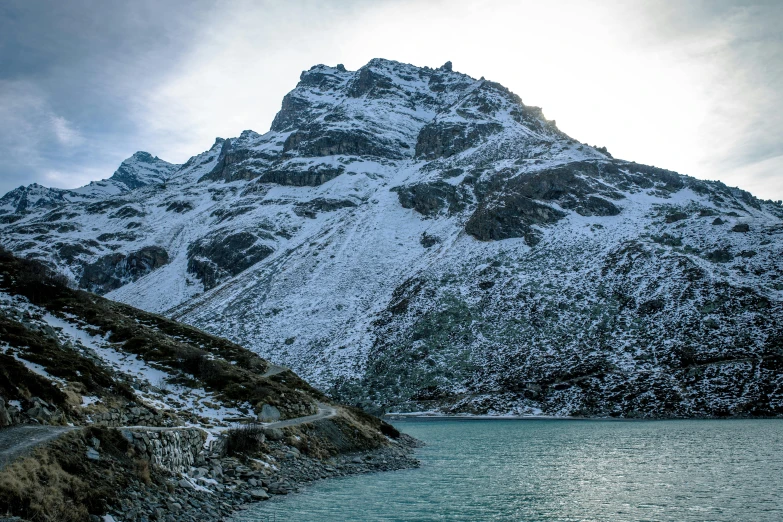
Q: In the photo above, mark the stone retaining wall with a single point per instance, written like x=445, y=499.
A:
x=175, y=449
x=127, y=416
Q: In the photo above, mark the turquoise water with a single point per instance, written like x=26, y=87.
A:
x=547, y=470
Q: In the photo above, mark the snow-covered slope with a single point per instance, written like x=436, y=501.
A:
x=413, y=238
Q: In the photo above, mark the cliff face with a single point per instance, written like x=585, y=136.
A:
x=412, y=238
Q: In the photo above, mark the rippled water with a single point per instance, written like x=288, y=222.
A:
x=548, y=470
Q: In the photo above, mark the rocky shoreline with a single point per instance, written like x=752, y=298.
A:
x=219, y=486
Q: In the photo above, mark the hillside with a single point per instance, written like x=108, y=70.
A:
x=411, y=239
x=136, y=413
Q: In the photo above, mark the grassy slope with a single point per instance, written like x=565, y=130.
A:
x=225, y=368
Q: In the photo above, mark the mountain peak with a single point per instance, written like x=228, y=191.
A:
x=142, y=169
x=143, y=156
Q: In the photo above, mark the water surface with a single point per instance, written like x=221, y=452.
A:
x=555, y=470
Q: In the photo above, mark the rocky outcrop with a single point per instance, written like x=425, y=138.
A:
x=510, y=216
x=371, y=83
x=179, y=207
x=311, y=208
x=236, y=162
x=319, y=141
x=127, y=212
x=442, y=140
x=114, y=270
x=215, y=258
x=309, y=176
x=430, y=199
x=9, y=414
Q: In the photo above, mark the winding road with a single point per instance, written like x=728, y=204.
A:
x=18, y=441
x=324, y=412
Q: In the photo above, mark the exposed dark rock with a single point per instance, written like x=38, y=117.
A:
x=102, y=206
x=58, y=215
x=565, y=185
x=312, y=177
x=511, y=216
x=117, y=236
x=215, y=258
x=441, y=140
x=236, y=162
x=652, y=306
x=291, y=113
x=595, y=206
x=428, y=241
x=7, y=219
x=668, y=239
x=741, y=227
x=721, y=255
x=676, y=216
x=180, y=207
x=311, y=208
x=718, y=221
x=432, y=198
x=70, y=251
x=127, y=213
x=320, y=141
x=114, y=270
x=370, y=83
x=227, y=214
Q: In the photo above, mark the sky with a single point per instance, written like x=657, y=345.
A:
x=688, y=85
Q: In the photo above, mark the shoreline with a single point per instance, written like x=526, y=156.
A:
x=469, y=417
x=243, y=483
x=212, y=488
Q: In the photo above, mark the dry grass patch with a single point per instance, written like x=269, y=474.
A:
x=38, y=487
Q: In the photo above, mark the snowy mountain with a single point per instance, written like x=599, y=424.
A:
x=139, y=170
x=415, y=239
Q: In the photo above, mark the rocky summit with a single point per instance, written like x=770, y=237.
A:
x=414, y=239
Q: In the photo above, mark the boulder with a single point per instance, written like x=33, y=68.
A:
x=259, y=494
x=741, y=227
x=269, y=414
x=274, y=434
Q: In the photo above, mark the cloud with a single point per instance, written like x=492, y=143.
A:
x=70, y=73
x=65, y=132
x=691, y=86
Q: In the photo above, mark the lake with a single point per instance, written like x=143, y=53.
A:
x=561, y=470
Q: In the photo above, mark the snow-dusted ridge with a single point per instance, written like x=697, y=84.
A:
x=414, y=238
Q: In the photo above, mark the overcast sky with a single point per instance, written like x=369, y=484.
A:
x=693, y=86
